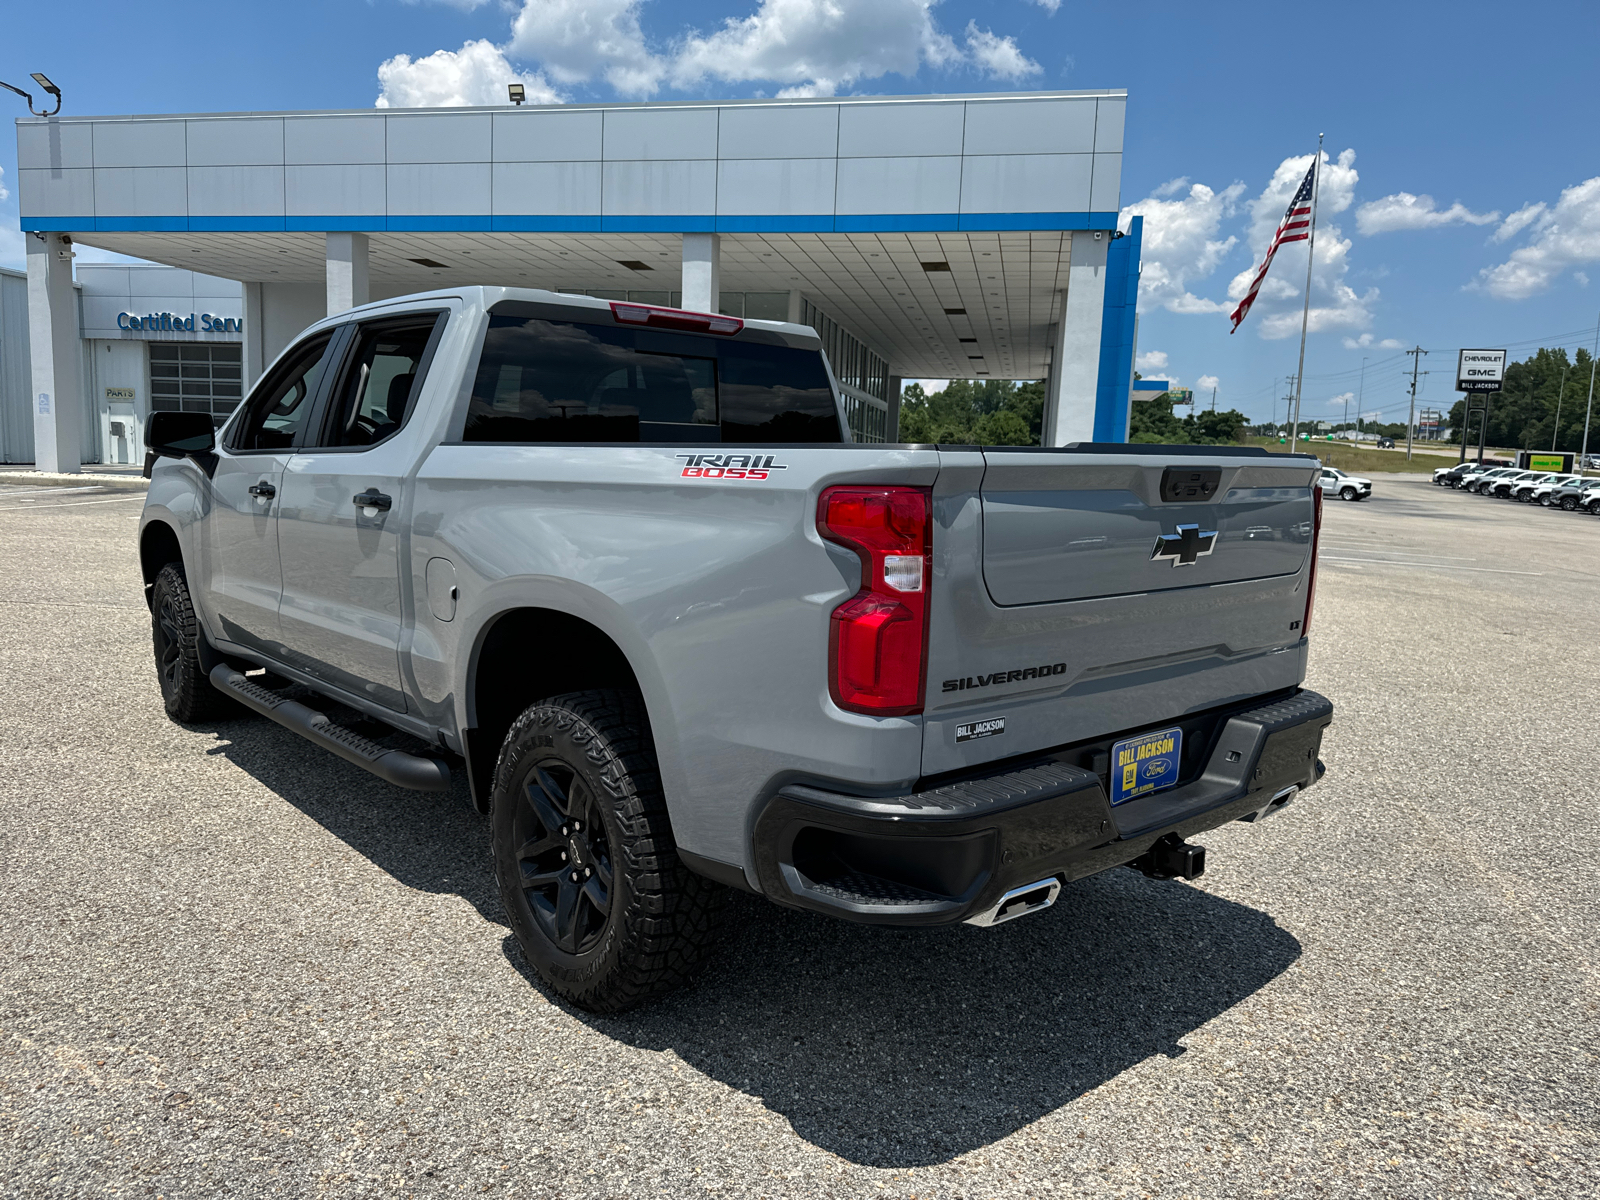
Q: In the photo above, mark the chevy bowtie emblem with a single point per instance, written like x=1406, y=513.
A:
x=1185, y=546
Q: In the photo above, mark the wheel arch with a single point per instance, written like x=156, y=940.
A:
x=525, y=654
x=158, y=546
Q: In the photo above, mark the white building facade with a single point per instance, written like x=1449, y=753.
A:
x=959, y=236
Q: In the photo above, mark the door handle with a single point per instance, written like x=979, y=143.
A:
x=263, y=490
x=373, y=499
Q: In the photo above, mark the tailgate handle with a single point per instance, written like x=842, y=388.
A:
x=1185, y=485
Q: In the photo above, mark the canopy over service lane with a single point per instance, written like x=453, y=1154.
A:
x=929, y=236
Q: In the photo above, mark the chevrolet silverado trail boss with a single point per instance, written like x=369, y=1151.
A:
x=625, y=567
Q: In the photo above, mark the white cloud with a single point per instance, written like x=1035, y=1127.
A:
x=1518, y=221
x=1338, y=402
x=1334, y=303
x=1151, y=361
x=1181, y=246
x=1206, y=382
x=579, y=40
x=998, y=56
x=476, y=74
x=4, y=195
x=1566, y=236
x=818, y=46
x=1403, y=211
x=1050, y=6
x=1365, y=341
x=804, y=47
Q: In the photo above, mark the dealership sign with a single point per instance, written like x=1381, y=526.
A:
x=1480, y=371
x=172, y=323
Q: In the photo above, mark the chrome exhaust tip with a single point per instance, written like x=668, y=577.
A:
x=1019, y=902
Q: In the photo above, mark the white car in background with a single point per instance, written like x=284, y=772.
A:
x=1482, y=482
x=1346, y=487
x=1539, y=493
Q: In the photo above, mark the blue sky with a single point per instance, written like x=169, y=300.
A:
x=1448, y=126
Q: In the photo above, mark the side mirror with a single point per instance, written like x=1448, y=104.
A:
x=179, y=434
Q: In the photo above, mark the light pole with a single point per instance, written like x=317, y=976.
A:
x=1584, y=457
x=50, y=89
x=1360, y=395
x=1556, y=432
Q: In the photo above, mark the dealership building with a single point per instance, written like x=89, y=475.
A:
x=922, y=237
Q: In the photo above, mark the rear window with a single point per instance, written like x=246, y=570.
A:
x=543, y=380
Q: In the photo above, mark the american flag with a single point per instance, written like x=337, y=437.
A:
x=1295, y=227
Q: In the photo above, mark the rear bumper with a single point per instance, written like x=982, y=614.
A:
x=949, y=854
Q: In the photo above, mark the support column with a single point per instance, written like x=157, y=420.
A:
x=56, y=352
x=253, y=320
x=1075, y=364
x=702, y=271
x=892, y=430
x=347, y=255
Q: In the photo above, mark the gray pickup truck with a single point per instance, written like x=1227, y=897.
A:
x=624, y=566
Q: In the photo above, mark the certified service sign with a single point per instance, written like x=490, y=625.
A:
x=1480, y=370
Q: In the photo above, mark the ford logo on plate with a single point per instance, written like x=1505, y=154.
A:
x=1156, y=767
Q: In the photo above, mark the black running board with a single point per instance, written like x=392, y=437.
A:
x=396, y=766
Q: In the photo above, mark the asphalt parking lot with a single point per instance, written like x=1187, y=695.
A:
x=235, y=965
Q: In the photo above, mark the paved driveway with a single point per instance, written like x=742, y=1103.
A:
x=234, y=965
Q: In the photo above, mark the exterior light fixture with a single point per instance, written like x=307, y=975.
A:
x=49, y=88
x=517, y=92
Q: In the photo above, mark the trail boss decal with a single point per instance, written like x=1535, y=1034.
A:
x=728, y=466
x=982, y=681
x=980, y=729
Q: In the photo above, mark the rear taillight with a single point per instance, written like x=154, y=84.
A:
x=877, y=642
x=675, y=318
x=1311, y=579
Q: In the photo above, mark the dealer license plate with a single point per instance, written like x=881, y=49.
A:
x=1144, y=764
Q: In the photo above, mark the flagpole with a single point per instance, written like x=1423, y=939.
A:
x=1305, y=315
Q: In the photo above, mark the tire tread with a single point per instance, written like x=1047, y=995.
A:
x=670, y=923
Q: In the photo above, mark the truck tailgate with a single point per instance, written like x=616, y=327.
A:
x=1080, y=594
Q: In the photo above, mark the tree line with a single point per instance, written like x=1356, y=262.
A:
x=1003, y=412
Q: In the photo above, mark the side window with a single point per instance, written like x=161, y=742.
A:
x=381, y=378
x=280, y=408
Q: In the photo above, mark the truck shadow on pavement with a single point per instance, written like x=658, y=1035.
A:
x=907, y=1047
x=888, y=1047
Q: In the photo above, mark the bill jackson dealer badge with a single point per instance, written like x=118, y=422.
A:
x=1145, y=764
x=980, y=729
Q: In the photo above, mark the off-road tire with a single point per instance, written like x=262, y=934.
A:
x=175, y=632
x=592, y=752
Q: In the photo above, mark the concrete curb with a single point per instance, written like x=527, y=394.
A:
x=113, y=483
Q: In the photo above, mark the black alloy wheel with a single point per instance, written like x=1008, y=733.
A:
x=564, y=856
x=176, y=638
x=1569, y=504
x=594, y=891
x=1594, y=507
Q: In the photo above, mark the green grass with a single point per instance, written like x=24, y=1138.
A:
x=1369, y=460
